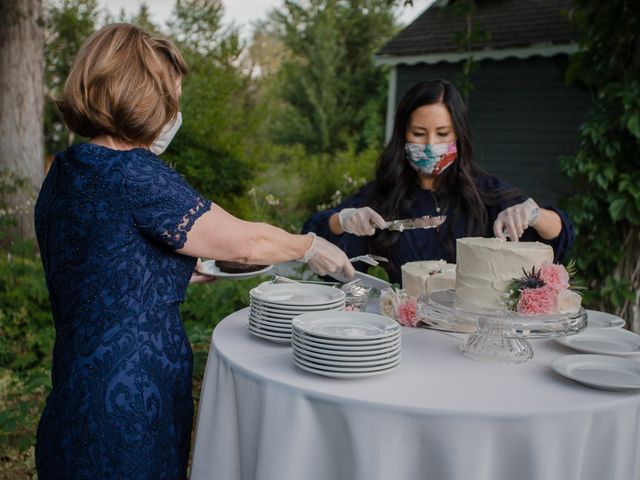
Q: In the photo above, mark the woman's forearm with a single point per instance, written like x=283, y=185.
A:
x=334, y=224
x=218, y=234
x=266, y=245
x=548, y=225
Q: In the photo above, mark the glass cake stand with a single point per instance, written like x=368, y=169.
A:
x=497, y=335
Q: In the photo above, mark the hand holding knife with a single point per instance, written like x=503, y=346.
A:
x=364, y=221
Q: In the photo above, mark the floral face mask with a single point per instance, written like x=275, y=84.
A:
x=431, y=159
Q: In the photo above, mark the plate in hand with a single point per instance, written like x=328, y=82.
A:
x=209, y=267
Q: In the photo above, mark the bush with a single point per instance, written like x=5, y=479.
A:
x=292, y=184
x=26, y=324
x=205, y=305
x=26, y=340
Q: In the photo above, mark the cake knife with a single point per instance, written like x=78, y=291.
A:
x=427, y=221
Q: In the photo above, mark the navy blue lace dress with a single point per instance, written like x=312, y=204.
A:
x=108, y=223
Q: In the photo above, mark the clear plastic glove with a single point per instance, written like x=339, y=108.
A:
x=513, y=221
x=327, y=259
x=360, y=221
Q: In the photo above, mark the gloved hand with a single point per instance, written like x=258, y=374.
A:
x=513, y=221
x=327, y=259
x=360, y=221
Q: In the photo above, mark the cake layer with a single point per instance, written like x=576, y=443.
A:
x=425, y=277
x=487, y=266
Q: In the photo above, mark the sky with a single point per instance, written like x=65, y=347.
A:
x=241, y=12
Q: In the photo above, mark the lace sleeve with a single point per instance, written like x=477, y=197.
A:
x=164, y=206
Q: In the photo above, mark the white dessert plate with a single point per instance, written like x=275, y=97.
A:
x=600, y=371
x=270, y=328
x=268, y=321
x=348, y=349
x=270, y=333
x=344, y=369
x=330, y=374
x=329, y=361
x=296, y=295
x=257, y=333
x=326, y=343
x=341, y=351
x=284, y=310
x=353, y=326
x=597, y=319
x=347, y=368
x=209, y=267
x=605, y=341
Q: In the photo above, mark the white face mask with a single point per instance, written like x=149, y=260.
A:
x=169, y=131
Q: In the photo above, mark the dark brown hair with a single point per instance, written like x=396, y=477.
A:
x=455, y=187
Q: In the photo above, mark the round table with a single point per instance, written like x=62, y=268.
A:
x=440, y=416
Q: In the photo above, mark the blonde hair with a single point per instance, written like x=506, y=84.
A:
x=123, y=83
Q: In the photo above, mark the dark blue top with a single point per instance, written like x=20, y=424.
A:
x=429, y=244
x=108, y=223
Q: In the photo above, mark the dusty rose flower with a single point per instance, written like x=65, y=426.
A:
x=555, y=276
x=569, y=301
x=407, y=312
x=537, y=301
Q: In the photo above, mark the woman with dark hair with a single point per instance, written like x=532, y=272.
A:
x=427, y=168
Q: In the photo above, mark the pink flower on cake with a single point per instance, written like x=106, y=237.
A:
x=555, y=276
x=407, y=312
x=569, y=301
x=537, y=301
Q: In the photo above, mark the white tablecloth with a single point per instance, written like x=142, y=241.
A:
x=441, y=416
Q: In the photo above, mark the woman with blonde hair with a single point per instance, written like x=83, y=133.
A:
x=119, y=233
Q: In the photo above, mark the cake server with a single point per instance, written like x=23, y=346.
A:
x=427, y=221
x=369, y=259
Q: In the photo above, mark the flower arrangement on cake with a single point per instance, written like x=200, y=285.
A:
x=544, y=290
x=395, y=303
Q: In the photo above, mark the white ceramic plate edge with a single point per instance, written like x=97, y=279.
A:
x=607, y=335
x=563, y=365
x=211, y=269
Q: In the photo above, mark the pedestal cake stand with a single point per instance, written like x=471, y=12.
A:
x=497, y=335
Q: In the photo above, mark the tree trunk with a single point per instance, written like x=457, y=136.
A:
x=22, y=104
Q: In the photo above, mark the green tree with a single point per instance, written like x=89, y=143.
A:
x=21, y=84
x=143, y=19
x=68, y=24
x=213, y=148
x=466, y=40
x=333, y=93
x=606, y=169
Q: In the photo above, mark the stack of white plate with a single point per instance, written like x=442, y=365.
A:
x=345, y=344
x=274, y=305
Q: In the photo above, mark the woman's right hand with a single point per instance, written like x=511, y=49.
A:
x=360, y=221
x=327, y=259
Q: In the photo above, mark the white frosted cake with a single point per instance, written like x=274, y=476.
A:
x=487, y=266
x=425, y=277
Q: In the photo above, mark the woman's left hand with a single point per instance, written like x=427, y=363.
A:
x=197, y=277
x=513, y=221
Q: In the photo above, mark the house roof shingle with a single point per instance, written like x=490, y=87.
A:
x=510, y=23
